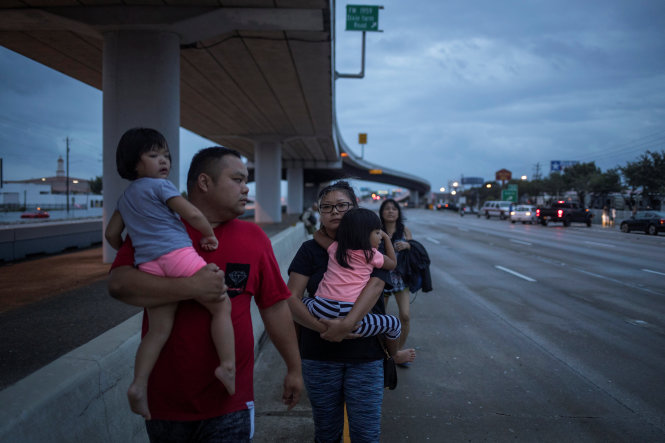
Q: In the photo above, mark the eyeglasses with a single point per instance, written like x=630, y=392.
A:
x=341, y=207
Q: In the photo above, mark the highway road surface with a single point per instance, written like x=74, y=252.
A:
x=532, y=333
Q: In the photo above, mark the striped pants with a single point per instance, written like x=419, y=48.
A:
x=371, y=324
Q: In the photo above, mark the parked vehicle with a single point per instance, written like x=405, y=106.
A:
x=36, y=214
x=564, y=212
x=524, y=214
x=651, y=222
x=499, y=209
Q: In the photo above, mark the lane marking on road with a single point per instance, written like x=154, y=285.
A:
x=433, y=240
x=586, y=370
x=645, y=325
x=627, y=284
x=653, y=272
x=593, y=274
x=637, y=322
x=600, y=244
x=516, y=274
x=521, y=242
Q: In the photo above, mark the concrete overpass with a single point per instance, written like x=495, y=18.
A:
x=255, y=75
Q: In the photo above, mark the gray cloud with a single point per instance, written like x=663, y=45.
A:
x=451, y=87
x=475, y=87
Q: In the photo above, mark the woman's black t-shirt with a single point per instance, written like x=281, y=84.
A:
x=312, y=260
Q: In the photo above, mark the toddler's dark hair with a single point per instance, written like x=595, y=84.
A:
x=134, y=143
x=353, y=233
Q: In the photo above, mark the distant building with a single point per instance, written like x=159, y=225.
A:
x=58, y=183
x=49, y=192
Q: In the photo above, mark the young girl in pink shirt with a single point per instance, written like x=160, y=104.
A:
x=151, y=209
x=351, y=259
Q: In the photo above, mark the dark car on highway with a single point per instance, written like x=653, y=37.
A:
x=651, y=222
x=564, y=212
x=446, y=205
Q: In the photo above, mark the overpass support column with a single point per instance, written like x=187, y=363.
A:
x=415, y=198
x=267, y=174
x=141, y=87
x=295, y=181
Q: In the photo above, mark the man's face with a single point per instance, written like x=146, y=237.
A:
x=228, y=194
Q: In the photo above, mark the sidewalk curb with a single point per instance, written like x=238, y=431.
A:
x=81, y=386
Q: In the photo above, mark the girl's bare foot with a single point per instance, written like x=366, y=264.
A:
x=405, y=356
x=138, y=400
x=228, y=377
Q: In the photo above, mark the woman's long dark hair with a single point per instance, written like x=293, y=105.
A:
x=353, y=234
x=399, y=224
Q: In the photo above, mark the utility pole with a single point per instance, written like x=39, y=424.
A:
x=67, y=173
x=536, y=174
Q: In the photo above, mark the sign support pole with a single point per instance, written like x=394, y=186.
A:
x=361, y=74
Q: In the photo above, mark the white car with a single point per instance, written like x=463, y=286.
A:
x=523, y=213
x=499, y=209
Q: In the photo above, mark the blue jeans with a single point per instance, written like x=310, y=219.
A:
x=359, y=385
x=232, y=428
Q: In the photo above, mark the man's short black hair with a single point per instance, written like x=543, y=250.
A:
x=202, y=163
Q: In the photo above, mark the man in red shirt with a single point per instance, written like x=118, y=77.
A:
x=187, y=402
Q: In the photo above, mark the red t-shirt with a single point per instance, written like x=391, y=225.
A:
x=182, y=385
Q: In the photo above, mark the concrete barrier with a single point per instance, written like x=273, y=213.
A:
x=19, y=241
x=82, y=395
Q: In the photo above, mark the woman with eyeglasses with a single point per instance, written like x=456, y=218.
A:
x=339, y=367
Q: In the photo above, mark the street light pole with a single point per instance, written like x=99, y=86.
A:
x=67, y=192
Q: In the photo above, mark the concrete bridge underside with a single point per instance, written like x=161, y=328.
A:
x=255, y=75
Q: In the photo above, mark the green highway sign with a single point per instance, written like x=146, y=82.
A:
x=509, y=195
x=362, y=18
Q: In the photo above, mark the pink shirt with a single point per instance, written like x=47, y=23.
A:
x=344, y=284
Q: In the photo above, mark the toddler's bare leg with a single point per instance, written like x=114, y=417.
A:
x=161, y=322
x=221, y=329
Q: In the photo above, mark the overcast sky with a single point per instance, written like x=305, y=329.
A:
x=451, y=88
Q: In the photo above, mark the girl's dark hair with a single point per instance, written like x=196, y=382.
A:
x=134, y=143
x=203, y=163
x=353, y=233
x=342, y=186
x=399, y=224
